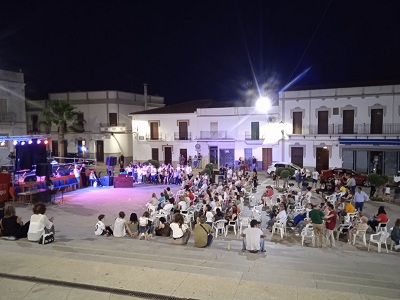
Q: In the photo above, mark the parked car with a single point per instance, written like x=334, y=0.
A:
x=272, y=168
x=361, y=179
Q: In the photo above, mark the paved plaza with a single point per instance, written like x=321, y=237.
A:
x=80, y=265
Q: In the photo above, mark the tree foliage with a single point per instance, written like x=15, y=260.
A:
x=64, y=116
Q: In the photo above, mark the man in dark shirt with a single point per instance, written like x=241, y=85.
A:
x=317, y=216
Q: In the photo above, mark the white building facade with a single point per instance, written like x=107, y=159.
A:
x=357, y=128
x=108, y=127
x=12, y=111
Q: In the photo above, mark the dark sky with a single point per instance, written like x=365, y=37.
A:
x=188, y=50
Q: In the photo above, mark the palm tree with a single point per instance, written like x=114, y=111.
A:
x=64, y=116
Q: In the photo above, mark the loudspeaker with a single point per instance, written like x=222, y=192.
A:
x=111, y=161
x=107, y=180
x=43, y=170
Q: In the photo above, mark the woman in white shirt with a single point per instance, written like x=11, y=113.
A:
x=180, y=231
x=39, y=223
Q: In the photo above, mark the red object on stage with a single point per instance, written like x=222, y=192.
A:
x=5, y=179
x=123, y=181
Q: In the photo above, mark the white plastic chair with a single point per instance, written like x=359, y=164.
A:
x=362, y=234
x=232, y=224
x=382, y=228
x=307, y=232
x=341, y=229
x=379, y=239
x=279, y=225
x=243, y=222
x=219, y=226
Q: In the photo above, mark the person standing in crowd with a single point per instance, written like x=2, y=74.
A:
x=315, y=176
x=254, y=162
x=352, y=184
x=317, y=217
x=360, y=197
x=77, y=174
x=330, y=224
x=83, y=176
x=121, y=162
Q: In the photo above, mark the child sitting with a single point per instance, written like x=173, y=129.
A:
x=101, y=228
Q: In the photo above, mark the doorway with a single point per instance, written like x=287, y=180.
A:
x=168, y=155
x=100, y=150
x=266, y=158
x=322, y=159
x=214, y=156
x=227, y=157
x=184, y=153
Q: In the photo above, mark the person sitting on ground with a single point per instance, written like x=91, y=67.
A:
x=395, y=234
x=361, y=227
x=145, y=226
x=380, y=217
x=253, y=238
x=121, y=226
x=12, y=225
x=201, y=233
x=39, y=223
x=101, y=228
x=163, y=228
x=180, y=231
x=133, y=224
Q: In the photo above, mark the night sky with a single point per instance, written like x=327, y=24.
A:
x=187, y=50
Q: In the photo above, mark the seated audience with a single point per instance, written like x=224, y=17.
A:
x=133, y=224
x=39, y=223
x=12, y=225
x=253, y=238
x=101, y=228
x=201, y=232
x=121, y=226
x=180, y=231
x=145, y=226
x=380, y=217
x=163, y=229
x=362, y=226
x=395, y=234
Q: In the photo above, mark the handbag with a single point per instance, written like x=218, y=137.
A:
x=210, y=237
x=46, y=238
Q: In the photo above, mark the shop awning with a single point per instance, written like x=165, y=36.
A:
x=387, y=142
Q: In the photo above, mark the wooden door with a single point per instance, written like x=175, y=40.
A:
x=348, y=121
x=322, y=159
x=100, y=150
x=154, y=131
x=255, y=130
x=376, y=121
x=297, y=122
x=168, y=155
x=183, y=131
x=323, y=122
x=297, y=156
x=266, y=158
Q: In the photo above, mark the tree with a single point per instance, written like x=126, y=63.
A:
x=64, y=116
x=378, y=181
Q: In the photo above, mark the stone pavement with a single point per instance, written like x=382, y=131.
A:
x=80, y=265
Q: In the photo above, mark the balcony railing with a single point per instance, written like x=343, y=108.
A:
x=33, y=129
x=180, y=136
x=213, y=135
x=7, y=117
x=253, y=137
x=365, y=128
x=155, y=137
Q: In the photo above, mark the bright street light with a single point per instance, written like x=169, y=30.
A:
x=263, y=104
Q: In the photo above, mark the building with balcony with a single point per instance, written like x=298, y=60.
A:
x=356, y=128
x=12, y=110
x=108, y=127
x=220, y=131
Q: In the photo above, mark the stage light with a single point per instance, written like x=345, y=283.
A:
x=46, y=142
x=2, y=143
x=30, y=142
x=22, y=143
x=15, y=143
x=38, y=142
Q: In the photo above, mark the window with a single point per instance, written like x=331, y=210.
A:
x=255, y=130
x=297, y=122
x=323, y=122
x=113, y=119
x=154, y=154
x=154, y=135
x=3, y=105
x=335, y=111
x=80, y=122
